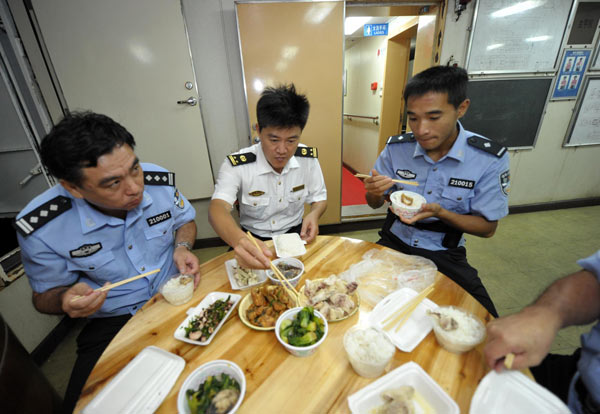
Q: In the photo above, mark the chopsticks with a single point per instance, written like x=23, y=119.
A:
x=416, y=184
x=508, y=360
x=398, y=318
x=284, y=282
x=122, y=282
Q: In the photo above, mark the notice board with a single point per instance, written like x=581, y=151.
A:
x=585, y=125
x=509, y=37
x=508, y=111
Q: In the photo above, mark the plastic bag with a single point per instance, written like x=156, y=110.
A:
x=383, y=271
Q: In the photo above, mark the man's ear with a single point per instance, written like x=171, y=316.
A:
x=462, y=108
x=71, y=188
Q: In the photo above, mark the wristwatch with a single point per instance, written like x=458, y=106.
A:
x=185, y=244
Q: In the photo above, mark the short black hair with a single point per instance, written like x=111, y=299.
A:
x=77, y=142
x=282, y=107
x=443, y=79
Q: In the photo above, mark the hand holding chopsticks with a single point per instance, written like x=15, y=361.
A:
x=397, y=319
x=415, y=183
x=120, y=283
x=284, y=282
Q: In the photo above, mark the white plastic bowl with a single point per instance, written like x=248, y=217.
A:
x=300, y=351
x=463, y=338
x=178, y=289
x=199, y=375
x=291, y=261
x=364, y=367
x=402, y=210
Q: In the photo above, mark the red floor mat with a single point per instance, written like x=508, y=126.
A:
x=353, y=189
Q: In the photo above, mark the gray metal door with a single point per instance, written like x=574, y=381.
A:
x=19, y=162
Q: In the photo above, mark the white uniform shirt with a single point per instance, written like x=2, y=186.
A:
x=270, y=203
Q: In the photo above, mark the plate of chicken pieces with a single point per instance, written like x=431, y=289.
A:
x=262, y=306
x=336, y=298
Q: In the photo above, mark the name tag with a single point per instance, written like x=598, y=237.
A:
x=298, y=188
x=257, y=193
x=459, y=182
x=158, y=218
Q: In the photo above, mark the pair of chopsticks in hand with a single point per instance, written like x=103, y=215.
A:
x=416, y=184
x=397, y=319
x=122, y=282
x=284, y=281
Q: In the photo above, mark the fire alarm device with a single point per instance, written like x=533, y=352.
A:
x=374, y=86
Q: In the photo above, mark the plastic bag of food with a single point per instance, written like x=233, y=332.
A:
x=380, y=272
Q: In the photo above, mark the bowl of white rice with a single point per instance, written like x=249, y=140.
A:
x=368, y=350
x=407, y=203
x=178, y=289
x=465, y=333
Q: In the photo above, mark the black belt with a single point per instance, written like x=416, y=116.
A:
x=588, y=405
x=450, y=241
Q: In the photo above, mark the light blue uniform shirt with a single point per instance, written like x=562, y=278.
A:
x=84, y=245
x=589, y=362
x=467, y=180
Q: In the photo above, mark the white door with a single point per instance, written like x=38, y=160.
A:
x=131, y=61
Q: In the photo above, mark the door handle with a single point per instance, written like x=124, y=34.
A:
x=36, y=170
x=191, y=101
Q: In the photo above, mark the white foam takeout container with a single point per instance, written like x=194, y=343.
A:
x=298, y=245
x=411, y=373
x=141, y=386
x=231, y=264
x=513, y=392
x=200, y=374
x=414, y=330
x=205, y=303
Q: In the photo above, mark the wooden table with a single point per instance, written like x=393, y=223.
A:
x=278, y=382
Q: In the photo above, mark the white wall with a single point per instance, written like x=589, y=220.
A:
x=364, y=66
x=547, y=172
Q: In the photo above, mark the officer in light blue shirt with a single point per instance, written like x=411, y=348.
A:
x=463, y=177
x=108, y=219
x=572, y=300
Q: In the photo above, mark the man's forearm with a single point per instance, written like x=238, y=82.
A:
x=575, y=298
x=50, y=301
x=475, y=225
x=219, y=216
x=186, y=233
x=318, y=208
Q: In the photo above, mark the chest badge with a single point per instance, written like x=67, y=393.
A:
x=159, y=218
x=86, y=250
x=298, y=188
x=461, y=183
x=406, y=174
x=256, y=193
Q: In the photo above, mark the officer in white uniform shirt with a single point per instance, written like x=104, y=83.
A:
x=271, y=181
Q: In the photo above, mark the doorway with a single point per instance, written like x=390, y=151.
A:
x=377, y=65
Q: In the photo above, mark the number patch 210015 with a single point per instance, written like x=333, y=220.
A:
x=158, y=218
x=459, y=182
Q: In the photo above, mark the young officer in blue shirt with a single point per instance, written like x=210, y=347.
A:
x=464, y=178
x=573, y=300
x=110, y=218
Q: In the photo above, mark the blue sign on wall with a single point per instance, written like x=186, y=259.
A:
x=571, y=73
x=379, y=29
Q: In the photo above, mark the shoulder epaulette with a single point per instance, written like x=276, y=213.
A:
x=35, y=219
x=159, y=178
x=395, y=139
x=310, y=152
x=241, y=159
x=486, y=145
